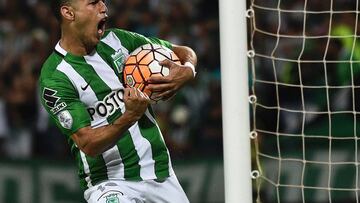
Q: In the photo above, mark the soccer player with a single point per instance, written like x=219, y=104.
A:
x=118, y=146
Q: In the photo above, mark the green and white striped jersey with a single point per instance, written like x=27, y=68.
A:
x=79, y=91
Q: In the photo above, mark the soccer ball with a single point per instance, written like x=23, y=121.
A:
x=144, y=63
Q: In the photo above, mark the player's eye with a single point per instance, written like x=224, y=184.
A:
x=93, y=2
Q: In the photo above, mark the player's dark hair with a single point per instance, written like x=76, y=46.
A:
x=56, y=5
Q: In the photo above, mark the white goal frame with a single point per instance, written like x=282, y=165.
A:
x=235, y=105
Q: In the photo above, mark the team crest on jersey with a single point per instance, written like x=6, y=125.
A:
x=119, y=59
x=65, y=119
x=112, y=198
x=52, y=101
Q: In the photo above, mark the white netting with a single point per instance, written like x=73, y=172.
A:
x=305, y=57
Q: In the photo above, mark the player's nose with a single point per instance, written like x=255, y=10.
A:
x=103, y=7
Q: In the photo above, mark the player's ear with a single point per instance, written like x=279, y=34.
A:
x=67, y=12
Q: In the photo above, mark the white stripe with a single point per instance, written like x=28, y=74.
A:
x=114, y=165
x=143, y=148
x=88, y=97
x=86, y=168
x=114, y=42
x=104, y=71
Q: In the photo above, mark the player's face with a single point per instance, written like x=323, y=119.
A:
x=90, y=18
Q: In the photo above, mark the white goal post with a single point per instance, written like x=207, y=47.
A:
x=235, y=105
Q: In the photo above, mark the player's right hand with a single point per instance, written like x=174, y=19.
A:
x=136, y=103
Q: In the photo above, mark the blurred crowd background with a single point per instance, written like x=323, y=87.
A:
x=191, y=122
x=306, y=78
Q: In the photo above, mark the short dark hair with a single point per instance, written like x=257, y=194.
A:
x=56, y=5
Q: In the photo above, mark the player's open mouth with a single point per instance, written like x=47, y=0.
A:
x=101, y=26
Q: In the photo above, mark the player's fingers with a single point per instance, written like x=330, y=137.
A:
x=167, y=63
x=127, y=93
x=156, y=79
x=155, y=96
x=159, y=87
x=144, y=96
x=136, y=92
x=147, y=97
x=164, y=95
x=141, y=96
x=133, y=92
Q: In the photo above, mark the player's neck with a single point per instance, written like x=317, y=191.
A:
x=74, y=45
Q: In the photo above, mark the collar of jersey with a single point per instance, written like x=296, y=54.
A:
x=64, y=53
x=59, y=49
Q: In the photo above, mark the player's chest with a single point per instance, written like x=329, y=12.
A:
x=99, y=81
x=102, y=93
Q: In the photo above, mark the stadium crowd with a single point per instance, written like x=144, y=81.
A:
x=191, y=121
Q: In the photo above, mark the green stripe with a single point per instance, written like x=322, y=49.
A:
x=114, y=116
x=159, y=151
x=50, y=65
x=98, y=170
x=89, y=74
x=129, y=157
x=81, y=172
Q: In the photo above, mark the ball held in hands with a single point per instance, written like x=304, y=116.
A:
x=144, y=63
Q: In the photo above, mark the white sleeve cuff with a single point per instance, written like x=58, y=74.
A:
x=191, y=66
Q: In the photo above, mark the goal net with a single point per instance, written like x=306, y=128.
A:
x=305, y=96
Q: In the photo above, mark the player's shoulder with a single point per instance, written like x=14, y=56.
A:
x=49, y=68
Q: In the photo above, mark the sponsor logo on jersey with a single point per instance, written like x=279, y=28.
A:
x=65, y=119
x=49, y=97
x=83, y=88
x=52, y=101
x=108, y=105
x=58, y=108
x=119, y=59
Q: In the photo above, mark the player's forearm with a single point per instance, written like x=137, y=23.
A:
x=187, y=58
x=96, y=141
x=185, y=54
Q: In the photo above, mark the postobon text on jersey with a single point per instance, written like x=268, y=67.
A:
x=106, y=107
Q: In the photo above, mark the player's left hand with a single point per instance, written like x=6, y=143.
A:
x=165, y=87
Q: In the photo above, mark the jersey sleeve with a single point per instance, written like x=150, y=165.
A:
x=132, y=40
x=61, y=101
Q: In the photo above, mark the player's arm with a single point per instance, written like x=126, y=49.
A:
x=185, y=54
x=95, y=141
x=166, y=87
